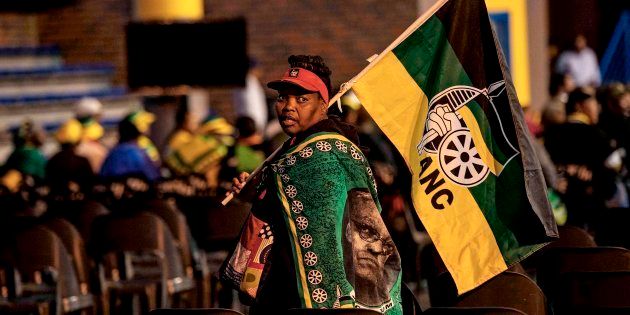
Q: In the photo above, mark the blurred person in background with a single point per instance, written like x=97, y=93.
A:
x=615, y=117
x=205, y=151
x=580, y=150
x=88, y=111
x=185, y=127
x=143, y=120
x=128, y=158
x=248, y=151
x=27, y=157
x=67, y=173
x=250, y=101
x=554, y=111
x=615, y=122
x=580, y=63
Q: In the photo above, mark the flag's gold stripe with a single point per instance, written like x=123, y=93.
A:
x=298, y=252
x=395, y=102
x=460, y=231
x=480, y=144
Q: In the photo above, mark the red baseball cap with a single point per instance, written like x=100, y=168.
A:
x=304, y=79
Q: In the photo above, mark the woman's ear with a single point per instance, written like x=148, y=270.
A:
x=324, y=106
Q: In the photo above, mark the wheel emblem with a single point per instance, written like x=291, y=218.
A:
x=291, y=160
x=297, y=206
x=306, y=240
x=460, y=160
x=306, y=152
x=323, y=146
x=319, y=295
x=310, y=259
x=285, y=178
x=291, y=191
x=301, y=222
x=314, y=277
x=355, y=154
x=341, y=146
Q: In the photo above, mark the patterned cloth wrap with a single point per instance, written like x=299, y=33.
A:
x=343, y=255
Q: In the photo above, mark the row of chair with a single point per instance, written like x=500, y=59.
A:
x=143, y=256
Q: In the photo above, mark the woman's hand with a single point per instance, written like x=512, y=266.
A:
x=239, y=182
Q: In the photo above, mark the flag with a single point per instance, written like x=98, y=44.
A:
x=443, y=96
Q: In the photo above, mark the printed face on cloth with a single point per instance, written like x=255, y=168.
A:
x=299, y=109
x=369, y=252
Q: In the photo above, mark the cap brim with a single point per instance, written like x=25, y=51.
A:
x=283, y=83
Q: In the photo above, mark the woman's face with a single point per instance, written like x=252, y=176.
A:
x=299, y=109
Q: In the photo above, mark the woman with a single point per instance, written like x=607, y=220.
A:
x=68, y=174
x=27, y=158
x=322, y=241
x=129, y=158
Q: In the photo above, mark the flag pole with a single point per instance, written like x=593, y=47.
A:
x=255, y=172
x=417, y=23
x=348, y=85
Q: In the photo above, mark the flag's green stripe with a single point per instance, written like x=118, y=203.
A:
x=440, y=70
x=469, y=33
x=430, y=60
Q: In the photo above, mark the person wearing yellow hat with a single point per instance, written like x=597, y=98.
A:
x=129, y=158
x=88, y=111
x=205, y=151
x=68, y=173
x=143, y=120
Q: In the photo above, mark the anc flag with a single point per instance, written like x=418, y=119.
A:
x=443, y=96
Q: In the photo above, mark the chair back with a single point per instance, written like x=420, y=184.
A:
x=473, y=311
x=611, y=229
x=557, y=261
x=38, y=249
x=140, y=232
x=593, y=293
x=75, y=246
x=197, y=311
x=176, y=221
x=524, y=294
x=10, y=282
x=572, y=236
x=214, y=226
x=409, y=302
x=333, y=311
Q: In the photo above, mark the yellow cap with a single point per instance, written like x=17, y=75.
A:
x=92, y=130
x=70, y=132
x=142, y=120
x=216, y=125
x=12, y=180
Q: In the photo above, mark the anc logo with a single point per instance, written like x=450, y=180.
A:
x=294, y=73
x=447, y=135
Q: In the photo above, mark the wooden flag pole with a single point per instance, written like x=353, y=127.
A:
x=348, y=85
x=414, y=26
x=230, y=195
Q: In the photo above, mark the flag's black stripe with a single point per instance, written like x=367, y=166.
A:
x=469, y=32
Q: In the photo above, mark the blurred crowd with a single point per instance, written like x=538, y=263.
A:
x=581, y=136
